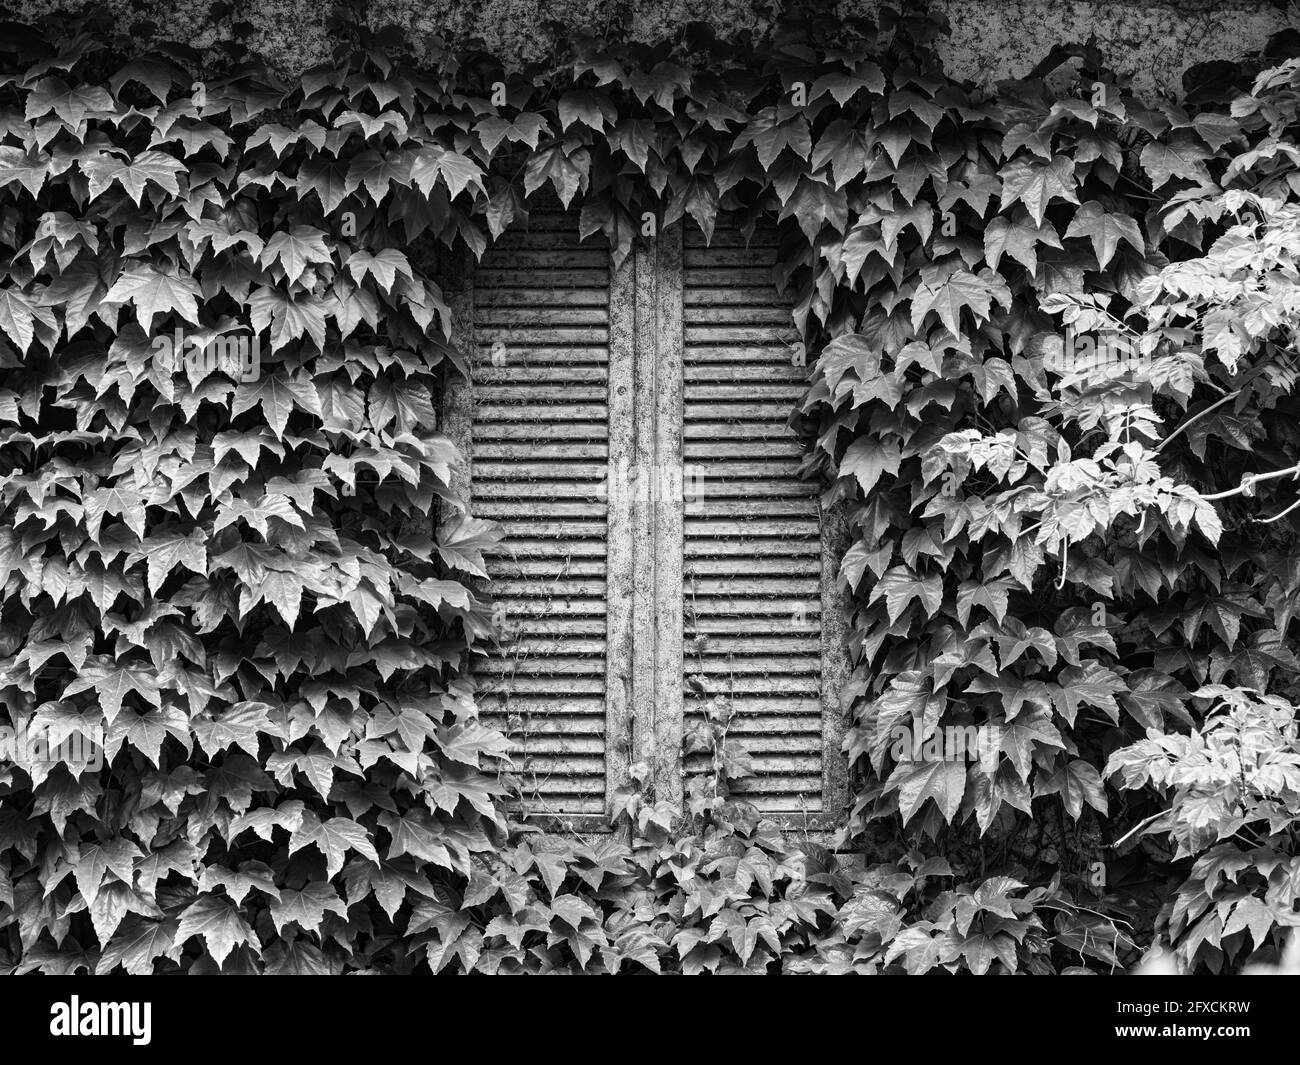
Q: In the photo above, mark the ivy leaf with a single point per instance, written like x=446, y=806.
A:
x=329, y=178
x=1094, y=685
x=458, y=783
x=593, y=109
x=920, y=950
x=116, y=856
x=333, y=838
x=992, y=595
x=867, y=458
x=154, y=292
x=946, y=293
x=772, y=134
x=847, y=150
x=419, y=835
x=155, y=75
x=112, y=683
x=1018, y=237
x=137, y=944
x=1183, y=158
x=1037, y=184
x=71, y=103
x=150, y=167
x=30, y=168
x=237, y=883
x=915, y=782
x=456, y=171
x=1105, y=230
x=165, y=551
x=306, y=906
x=220, y=924
x=126, y=503
x=635, y=137
x=1020, y=738
x=525, y=128
x=296, y=250
x=567, y=173
x=1258, y=916
x=278, y=395
x=844, y=86
x=1222, y=613
x=1076, y=783
x=900, y=586
x=461, y=545
x=377, y=172
x=241, y=725
x=17, y=317
x=385, y=266
x=289, y=317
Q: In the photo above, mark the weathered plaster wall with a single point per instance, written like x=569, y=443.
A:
x=991, y=38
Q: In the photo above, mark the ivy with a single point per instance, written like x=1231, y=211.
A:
x=231, y=548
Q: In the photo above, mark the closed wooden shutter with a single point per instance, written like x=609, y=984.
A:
x=754, y=547
x=539, y=445
x=592, y=387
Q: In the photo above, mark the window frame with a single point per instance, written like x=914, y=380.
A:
x=645, y=656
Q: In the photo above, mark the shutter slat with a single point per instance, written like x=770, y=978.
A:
x=557, y=724
x=532, y=392
x=517, y=258
x=744, y=315
x=787, y=394
x=726, y=566
x=774, y=336
x=491, y=298
x=728, y=254
x=564, y=643
x=501, y=508
x=521, y=548
x=780, y=792
x=495, y=317
x=553, y=336
x=540, y=432
x=749, y=355
x=511, y=374
x=556, y=688
x=561, y=279
x=749, y=371
x=524, y=471
x=525, y=355
x=729, y=296
x=522, y=488
x=725, y=431
x=721, y=449
x=738, y=276
x=732, y=529
x=732, y=237
x=551, y=567
x=723, y=485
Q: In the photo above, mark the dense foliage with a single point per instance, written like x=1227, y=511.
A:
x=236, y=576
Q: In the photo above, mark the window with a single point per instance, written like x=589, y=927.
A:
x=628, y=428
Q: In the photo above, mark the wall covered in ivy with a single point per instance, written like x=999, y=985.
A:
x=1050, y=337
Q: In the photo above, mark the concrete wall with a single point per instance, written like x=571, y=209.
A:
x=991, y=38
